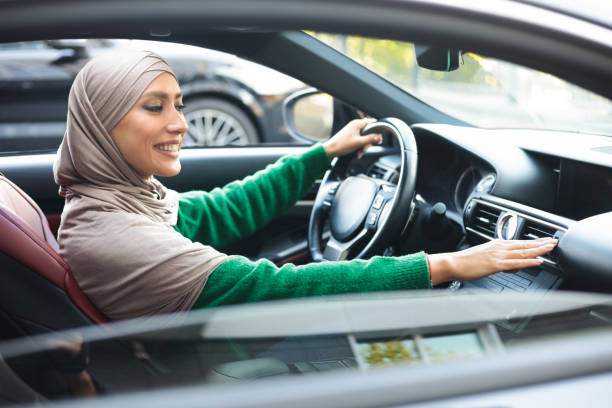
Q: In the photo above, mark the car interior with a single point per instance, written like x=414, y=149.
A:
x=443, y=186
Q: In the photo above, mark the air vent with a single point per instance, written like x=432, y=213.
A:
x=535, y=230
x=382, y=172
x=482, y=218
x=485, y=219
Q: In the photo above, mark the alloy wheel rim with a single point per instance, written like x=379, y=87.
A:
x=212, y=127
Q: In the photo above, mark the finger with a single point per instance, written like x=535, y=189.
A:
x=531, y=252
x=545, y=239
x=370, y=139
x=362, y=151
x=361, y=123
x=531, y=243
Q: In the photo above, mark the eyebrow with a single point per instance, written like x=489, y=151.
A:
x=161, y=95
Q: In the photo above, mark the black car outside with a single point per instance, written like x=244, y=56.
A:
x=228, y=100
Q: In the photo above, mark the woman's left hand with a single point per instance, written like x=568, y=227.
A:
x=485, y=259
x=349, y=139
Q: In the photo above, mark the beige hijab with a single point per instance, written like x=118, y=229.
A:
x=116, y=230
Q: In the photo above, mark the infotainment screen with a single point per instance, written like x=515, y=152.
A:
x=418, y=349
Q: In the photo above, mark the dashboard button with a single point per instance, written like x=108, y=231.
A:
x=378, y=201
x=489, y=284
x=517, y=279
x=454, y=285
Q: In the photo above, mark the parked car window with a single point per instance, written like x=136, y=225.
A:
x=228, y=100
x=485, y=92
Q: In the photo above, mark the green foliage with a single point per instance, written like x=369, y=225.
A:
x=377, y=354
x=396, y=61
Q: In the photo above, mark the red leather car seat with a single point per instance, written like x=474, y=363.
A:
x=37, y=289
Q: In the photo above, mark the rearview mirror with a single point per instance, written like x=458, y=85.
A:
x=436, y=58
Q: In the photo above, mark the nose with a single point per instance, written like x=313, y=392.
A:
x=177, y=123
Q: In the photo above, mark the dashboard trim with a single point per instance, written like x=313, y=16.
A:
x=513, y=211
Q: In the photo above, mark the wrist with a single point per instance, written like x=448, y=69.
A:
x=441, y=268
x=330, y=149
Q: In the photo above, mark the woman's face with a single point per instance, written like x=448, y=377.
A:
x=149, y=136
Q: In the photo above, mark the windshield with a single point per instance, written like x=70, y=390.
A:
x=484, y=92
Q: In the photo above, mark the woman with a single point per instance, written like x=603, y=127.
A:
x=139, y=249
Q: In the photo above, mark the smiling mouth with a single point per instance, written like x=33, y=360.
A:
x=168, y=147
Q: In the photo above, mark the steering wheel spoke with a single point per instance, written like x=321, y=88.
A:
x=339, y=251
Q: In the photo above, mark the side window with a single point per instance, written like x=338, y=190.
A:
x=228, y=100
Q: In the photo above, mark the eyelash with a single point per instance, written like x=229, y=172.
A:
x=158, y=109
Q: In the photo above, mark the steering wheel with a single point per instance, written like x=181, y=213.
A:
x=365, y=214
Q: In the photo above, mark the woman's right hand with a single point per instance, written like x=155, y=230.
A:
x=483, y=260
x=349, y=138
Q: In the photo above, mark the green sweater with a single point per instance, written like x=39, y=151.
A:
x=224, y=215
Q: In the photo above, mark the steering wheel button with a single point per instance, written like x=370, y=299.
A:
x=378, y=201
x=372, y=218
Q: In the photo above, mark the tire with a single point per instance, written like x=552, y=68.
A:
x=215, y=122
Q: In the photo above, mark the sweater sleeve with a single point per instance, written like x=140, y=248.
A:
x=225, y=215
x=240, y=280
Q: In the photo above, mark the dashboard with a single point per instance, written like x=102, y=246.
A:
x=563, y=173
x=521, y=184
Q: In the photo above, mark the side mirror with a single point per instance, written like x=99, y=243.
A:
x=309, y=115
x=437, y=59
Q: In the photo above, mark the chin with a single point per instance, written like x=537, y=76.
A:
x=169, y=172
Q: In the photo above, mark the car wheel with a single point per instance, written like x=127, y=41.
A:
x=214, y=122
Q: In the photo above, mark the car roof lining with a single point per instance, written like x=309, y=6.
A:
x=243, y=27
